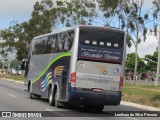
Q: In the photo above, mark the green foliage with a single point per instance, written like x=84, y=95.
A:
x=142, y=94
x=15, y=77
x=155, y=97
x=1, y=64
x=156, y=16
x=14, y=63
x=11, y=37
x=129, y=40
x=130, y=63
x=157, y=5
x=48, y=14
x=130, y=15
x=76, y=12
x=135, y=21
x=109, y=6
x=146, y=17
x=151, y=61
x=19, y=36
x=45, y=17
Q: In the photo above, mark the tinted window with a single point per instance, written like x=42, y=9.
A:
x=103, y=38
x=40, y=46
x=55, y=43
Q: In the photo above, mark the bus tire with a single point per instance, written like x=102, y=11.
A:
x=99, y=108
x=30, y=92
x=56, y=97
x=50, y=97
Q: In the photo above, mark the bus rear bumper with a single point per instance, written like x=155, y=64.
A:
x=94, y=98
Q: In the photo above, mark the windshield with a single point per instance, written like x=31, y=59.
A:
x=101, y=44
x=101, y=37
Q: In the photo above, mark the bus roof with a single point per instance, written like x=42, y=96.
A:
x=72, y=28
x=56, y=31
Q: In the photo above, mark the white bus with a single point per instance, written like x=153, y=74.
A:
x=81, y=65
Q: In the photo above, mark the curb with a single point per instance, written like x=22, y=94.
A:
x=139, y=106
x=12, y=80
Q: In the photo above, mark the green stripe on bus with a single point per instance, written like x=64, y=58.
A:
x=54, y=60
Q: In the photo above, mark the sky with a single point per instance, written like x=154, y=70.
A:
x=20, y=10
x=150, y=44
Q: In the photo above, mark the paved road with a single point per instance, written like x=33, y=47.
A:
x=13, y=98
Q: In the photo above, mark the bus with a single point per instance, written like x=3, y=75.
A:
x=81, y=65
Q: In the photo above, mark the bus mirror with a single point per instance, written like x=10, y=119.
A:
x=23, y=64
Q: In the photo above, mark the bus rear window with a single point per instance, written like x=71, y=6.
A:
x=105, y=38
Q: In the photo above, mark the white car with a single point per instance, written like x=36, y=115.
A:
x=13, y=71
x=20, y=72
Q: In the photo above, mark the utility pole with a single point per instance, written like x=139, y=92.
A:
x=158, y=62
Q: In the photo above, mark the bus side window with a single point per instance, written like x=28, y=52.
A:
x=48, y=46
x=70, y=39
x=56, y=43
x=60, y=41
x=65, y=44
x=53, y=43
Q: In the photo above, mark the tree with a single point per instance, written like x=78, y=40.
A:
x=132, y=18
x=151, y=61
x=157, y=16
x=15, y=62
x=109, y=10
x=76, y=12
x=130, y=63
x=18, y=36
x=15, y=40
x=44, y=18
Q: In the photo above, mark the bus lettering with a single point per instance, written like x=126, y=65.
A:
x=87, y=54
x=107, y=56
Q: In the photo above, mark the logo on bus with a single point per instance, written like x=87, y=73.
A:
x=107, y=56
x=91, y=55
x=99, y=56
x=58, y=70
x=116, y=71
x=46, y=81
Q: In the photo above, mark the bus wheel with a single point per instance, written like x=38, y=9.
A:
x=56, y=97
x=99, y=108
x=30, y=92
x=50, y=97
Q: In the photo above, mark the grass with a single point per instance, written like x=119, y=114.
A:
x=142, y=94
x=142, y=86
x=15, y=77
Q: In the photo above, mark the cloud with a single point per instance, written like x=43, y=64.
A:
x=18, y=10
x=147, y=47
x=148, y=3
x=151, y=43
x=16, y=7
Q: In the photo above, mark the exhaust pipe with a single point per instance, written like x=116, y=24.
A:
x=81, y=100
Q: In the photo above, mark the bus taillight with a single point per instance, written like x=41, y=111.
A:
x=73, y=79
x=121, y=83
